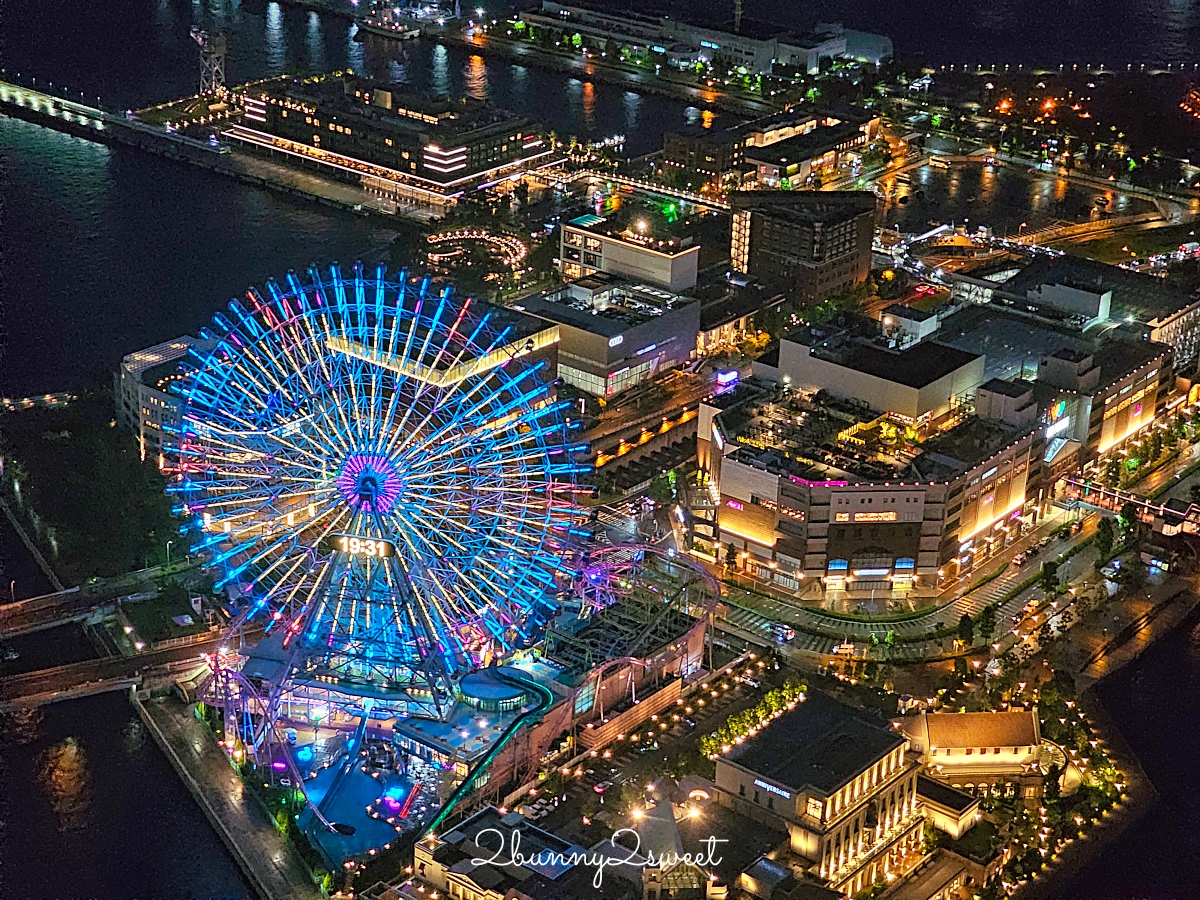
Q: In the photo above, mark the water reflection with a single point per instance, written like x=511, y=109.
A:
x=692, y=115
x=439, y=69
x=631, y=105
x=133, y=737
x=62, y=771
x=475, y=77
x=520, y=82
x=276, y=40
x=314, y=44
x=589, y=108
x=356, y=53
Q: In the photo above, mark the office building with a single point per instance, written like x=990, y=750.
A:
x=811, y=244
x=736, y=152
x=796, y=161
x=589, y=244
x=146, y=406
x=412, y=147
x=615, y=334
x=843, y=788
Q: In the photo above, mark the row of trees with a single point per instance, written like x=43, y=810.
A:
x=741, y=724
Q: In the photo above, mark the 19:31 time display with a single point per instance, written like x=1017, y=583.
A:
x=358, y=545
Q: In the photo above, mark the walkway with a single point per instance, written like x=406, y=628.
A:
x=269, y=862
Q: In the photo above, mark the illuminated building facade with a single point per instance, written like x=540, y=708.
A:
x=820, y=489
x=1106, y=397
x=812, y=244
x=615, y=334
x=843, y=788
x=142, y=387
x=589, y=244
x=410, y=146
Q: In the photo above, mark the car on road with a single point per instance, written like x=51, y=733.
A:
x=602, y=787
x=783, y=634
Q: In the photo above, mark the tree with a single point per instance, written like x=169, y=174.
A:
x=1045, y=634
x=1129, y=516
x=1132, y=573
x=1049, y=577
x=661, y=490
x=987, y=622
x=1053, y=789
x=731, y=555
x=966, y=630
x=1104, y=537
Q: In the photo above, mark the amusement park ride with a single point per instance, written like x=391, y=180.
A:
x=382, y=479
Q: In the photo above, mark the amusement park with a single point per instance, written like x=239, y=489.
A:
x=381, y=480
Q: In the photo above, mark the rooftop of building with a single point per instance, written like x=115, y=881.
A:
x=641, y=225
x=1014, y=389
x=796, y=149
x=722, y=302
x=1145, y=298
x=944, y=795
x=806, y=206
x=1012, y=728
x=603, y=305
x=820, y=746
x=965, y=446
x=911, y=313
x=1011, y=343
x=916, y=367
x=1117, y=359
x=543, y=874
x=822, y=438
x=395, y=107
x=151, y=365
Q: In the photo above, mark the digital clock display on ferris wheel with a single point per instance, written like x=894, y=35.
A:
x=359, y=545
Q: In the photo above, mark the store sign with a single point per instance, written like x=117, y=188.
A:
x=771, y=789
x=889, y=516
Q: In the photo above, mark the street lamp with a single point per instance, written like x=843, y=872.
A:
x=169, y=543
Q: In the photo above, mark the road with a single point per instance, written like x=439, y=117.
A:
x=94, y=676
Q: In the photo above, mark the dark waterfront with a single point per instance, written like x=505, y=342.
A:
x=89, y=807
x=1156, y=704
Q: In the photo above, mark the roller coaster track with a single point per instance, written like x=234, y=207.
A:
x=545, y=701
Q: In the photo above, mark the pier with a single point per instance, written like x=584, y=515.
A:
x=104, y=126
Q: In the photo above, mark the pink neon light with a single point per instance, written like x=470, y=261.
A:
x=804, y=481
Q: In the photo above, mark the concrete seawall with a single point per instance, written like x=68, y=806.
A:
x=269, y=863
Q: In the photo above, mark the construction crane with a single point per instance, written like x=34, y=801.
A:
x=212, y=59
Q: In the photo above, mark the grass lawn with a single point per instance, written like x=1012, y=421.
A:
x=152, y=618
x=1144, y=242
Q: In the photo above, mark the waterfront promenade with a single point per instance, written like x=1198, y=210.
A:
x=270, y=864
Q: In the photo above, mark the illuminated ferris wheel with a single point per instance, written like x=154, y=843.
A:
x=382, y=473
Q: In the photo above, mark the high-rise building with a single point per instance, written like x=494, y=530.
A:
x=812, y=244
